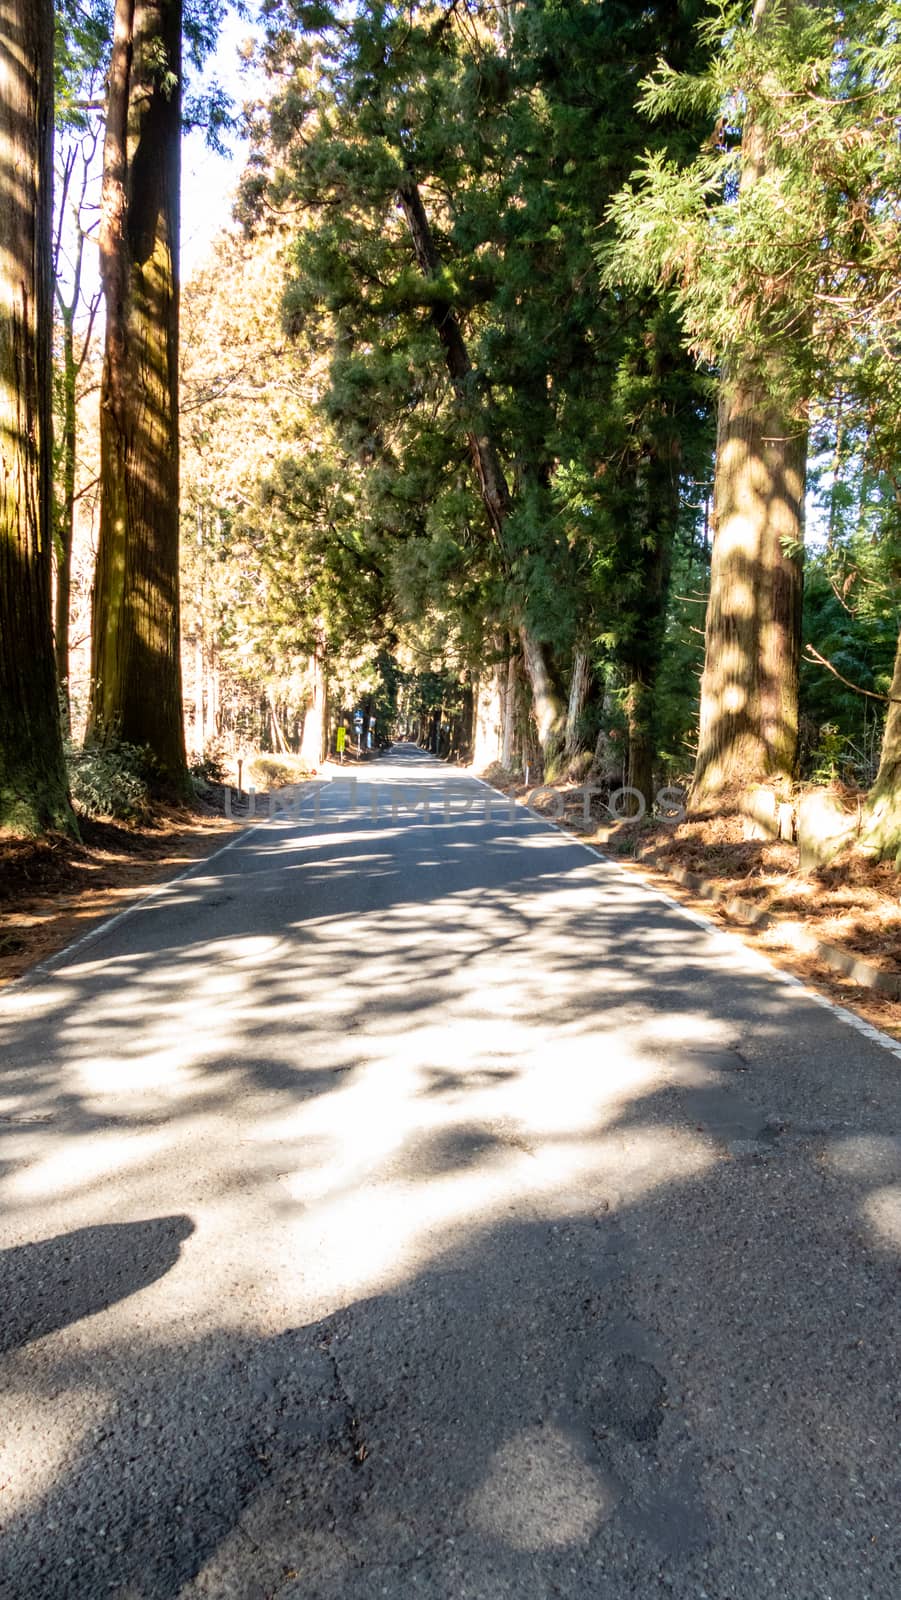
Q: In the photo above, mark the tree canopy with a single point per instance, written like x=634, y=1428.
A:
x=488, y=391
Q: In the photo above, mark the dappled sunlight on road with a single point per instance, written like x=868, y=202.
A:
x=492, y=1015
x=40, y=1434
x=76, y=1164
x=542, y=1490
x=434, y=1092
x=882, y=1209
x=381, y=1102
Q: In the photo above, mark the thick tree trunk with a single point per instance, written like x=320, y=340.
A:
x=33, y=785
x=433, y=743
x=579, y=686
x=546, y=703
x=607, y=764
x=493, y=488
x=312, y=744
x=880, y=831
x=749, y=690
x=136, y=669
x=467, y=723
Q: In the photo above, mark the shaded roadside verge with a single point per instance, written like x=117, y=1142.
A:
x=835, y=928
x=54, y=890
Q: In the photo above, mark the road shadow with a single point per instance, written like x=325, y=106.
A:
x=51, y=1284
x=631, y=1326
x=625, y=1398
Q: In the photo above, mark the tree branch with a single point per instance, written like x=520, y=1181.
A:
x=887, y=699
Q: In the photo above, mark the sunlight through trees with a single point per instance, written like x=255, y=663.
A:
x=538, y=334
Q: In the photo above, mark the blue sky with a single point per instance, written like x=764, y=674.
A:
x=208, y=180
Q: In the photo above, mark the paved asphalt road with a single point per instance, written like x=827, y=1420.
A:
x=423, y=1207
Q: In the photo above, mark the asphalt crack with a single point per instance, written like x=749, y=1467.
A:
x=354, y=1439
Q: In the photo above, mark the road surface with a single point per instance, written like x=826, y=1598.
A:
x=419, y=1206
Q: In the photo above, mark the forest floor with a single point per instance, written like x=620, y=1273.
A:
x=52, y=890
x=852, y=904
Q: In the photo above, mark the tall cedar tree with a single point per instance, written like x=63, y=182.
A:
x=621, y=421
x=881, y=830
x=135, y=664
x=780, y=240
x=33, y=787
x=749, y=691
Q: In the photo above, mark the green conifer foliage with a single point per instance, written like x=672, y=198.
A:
x=778, y=240
x=456, y=168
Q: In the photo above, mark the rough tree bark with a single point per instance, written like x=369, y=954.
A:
x=547, y=706
x=579, y=687
x=33, y=785
x=135, y=668
x=880, y=832
x=495, y=493
x=433, y=741
x=749, y=690
x=467, y=722
x=607, y=764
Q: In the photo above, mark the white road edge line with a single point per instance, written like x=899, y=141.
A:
x=875, y=1035
x=46, y=969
